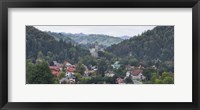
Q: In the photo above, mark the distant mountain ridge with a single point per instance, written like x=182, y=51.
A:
x=125, y=37
x=59, y=36
x=82, y=38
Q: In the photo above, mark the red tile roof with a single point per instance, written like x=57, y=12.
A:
x=70, y=69
x=55, y=70
x=135, y=72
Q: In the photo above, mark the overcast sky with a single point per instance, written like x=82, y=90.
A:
x=115, y=31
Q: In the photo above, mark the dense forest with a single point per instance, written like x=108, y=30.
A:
x=61, y=36
x=41, y=44
x=101, y=59
x=150, y=45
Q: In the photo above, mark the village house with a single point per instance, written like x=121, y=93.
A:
x=57, y=64
x=116, y=65
x=55, y=70
x=136, y=74
x=70, y=70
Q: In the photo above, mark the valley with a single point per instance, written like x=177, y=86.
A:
x=66, y=58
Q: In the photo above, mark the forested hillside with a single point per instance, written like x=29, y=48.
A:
x=156, y=44
x=40, y=44
x=60, y=36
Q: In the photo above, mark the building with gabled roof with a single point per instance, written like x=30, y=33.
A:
x=136, y=74
x=55, y=70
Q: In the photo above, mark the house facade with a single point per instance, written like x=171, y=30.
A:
x=136, y=74
x=55, y=70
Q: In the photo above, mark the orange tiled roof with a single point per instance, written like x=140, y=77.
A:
x=70, y=69
x=135, y=72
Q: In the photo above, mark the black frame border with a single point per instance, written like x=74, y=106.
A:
x=5, y=4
